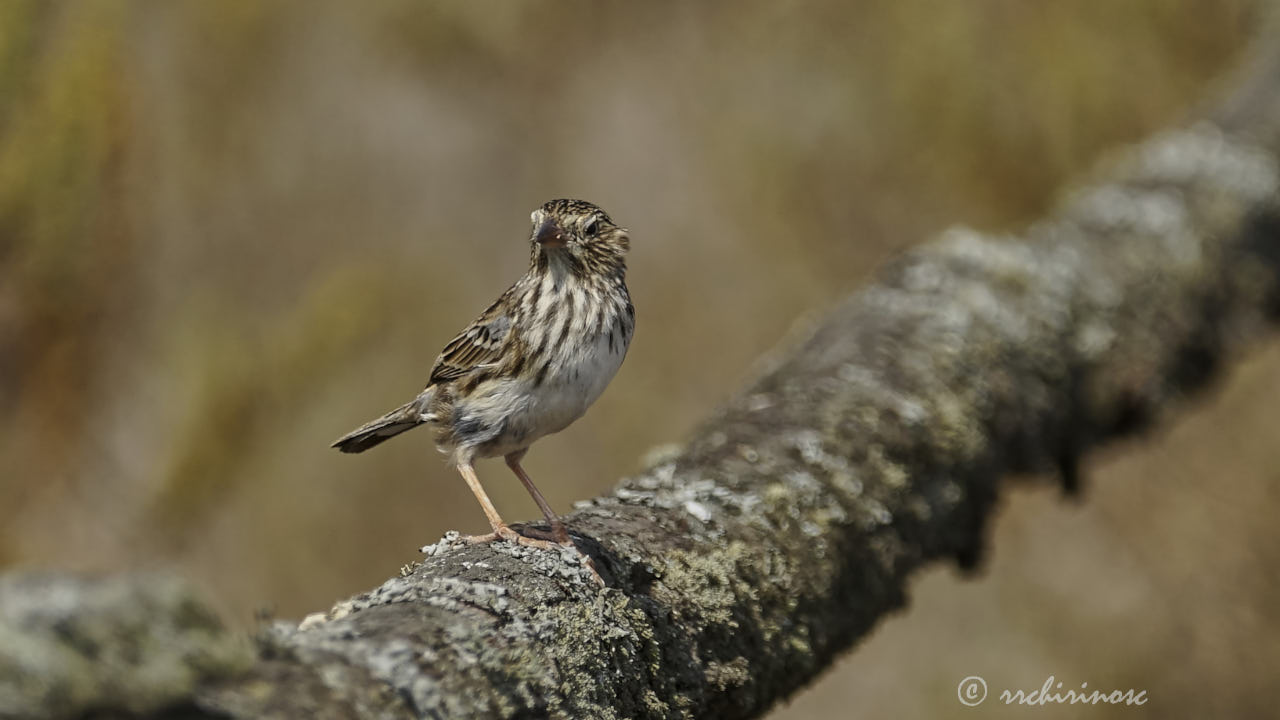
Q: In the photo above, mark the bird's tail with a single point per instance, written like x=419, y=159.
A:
x=405, y=417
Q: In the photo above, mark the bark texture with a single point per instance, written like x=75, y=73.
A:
x=785, y=528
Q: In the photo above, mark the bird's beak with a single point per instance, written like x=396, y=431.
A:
x=549, y=235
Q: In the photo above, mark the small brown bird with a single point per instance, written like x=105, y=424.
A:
x=532, y=363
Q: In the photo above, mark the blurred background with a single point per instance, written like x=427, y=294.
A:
x=231, y=231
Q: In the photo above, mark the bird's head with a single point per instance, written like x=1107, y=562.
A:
x=579, y=235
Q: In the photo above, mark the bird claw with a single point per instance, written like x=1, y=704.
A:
x=505, y=532
x=557, y=534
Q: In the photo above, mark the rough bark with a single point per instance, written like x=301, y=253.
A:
x=786, y=527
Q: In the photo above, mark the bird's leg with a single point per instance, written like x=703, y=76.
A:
x=558, y=531
x=501, y=531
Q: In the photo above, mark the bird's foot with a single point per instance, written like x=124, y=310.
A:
x=505, y=532
x=557, y=534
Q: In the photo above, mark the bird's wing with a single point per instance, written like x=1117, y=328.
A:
x=478, y=346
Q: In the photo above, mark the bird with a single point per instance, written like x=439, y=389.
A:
x=530, y=364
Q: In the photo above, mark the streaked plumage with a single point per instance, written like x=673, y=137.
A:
x=534, y=361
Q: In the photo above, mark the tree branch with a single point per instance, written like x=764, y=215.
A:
x=788, y=524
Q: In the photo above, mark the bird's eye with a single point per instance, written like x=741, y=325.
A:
x=592, y=228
